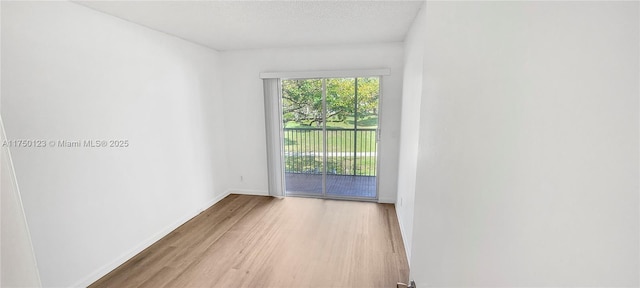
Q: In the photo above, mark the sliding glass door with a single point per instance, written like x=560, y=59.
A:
x=330, y=137
x=303, y=117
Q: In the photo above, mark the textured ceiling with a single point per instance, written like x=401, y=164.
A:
x=231, y=25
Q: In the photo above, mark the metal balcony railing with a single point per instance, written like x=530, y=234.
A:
x=349, y=151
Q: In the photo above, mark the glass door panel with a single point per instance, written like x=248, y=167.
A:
x=302, y=115
x=341, y=136
x=351, y=137
x=367, y=130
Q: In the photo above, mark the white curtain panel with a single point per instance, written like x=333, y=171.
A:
x=273, y=115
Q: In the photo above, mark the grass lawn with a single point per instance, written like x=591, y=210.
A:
x=365, y=166
x=338, y=140
x=301, y=143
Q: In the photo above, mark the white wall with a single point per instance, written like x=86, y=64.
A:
x=528, y=149
x=245, y=105
x=72, y=73
x=410, y=127
x=18, y=266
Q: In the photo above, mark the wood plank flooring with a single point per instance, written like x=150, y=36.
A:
x=256, y=241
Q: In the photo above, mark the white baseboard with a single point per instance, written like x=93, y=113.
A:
x=407, y=249
x=387, y=200
x=248, y=192
x=145, y=244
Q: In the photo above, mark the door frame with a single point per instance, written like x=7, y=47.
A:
x=324, y=78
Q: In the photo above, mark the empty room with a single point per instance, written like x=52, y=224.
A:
x=320, y=143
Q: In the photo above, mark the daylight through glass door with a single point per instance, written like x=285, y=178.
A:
x=330, y=137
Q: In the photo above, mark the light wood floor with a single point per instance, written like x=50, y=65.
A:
x=255, y=241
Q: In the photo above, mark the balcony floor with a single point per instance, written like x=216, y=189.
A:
x=337, y=185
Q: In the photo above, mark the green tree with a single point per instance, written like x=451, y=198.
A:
x=302, y=99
